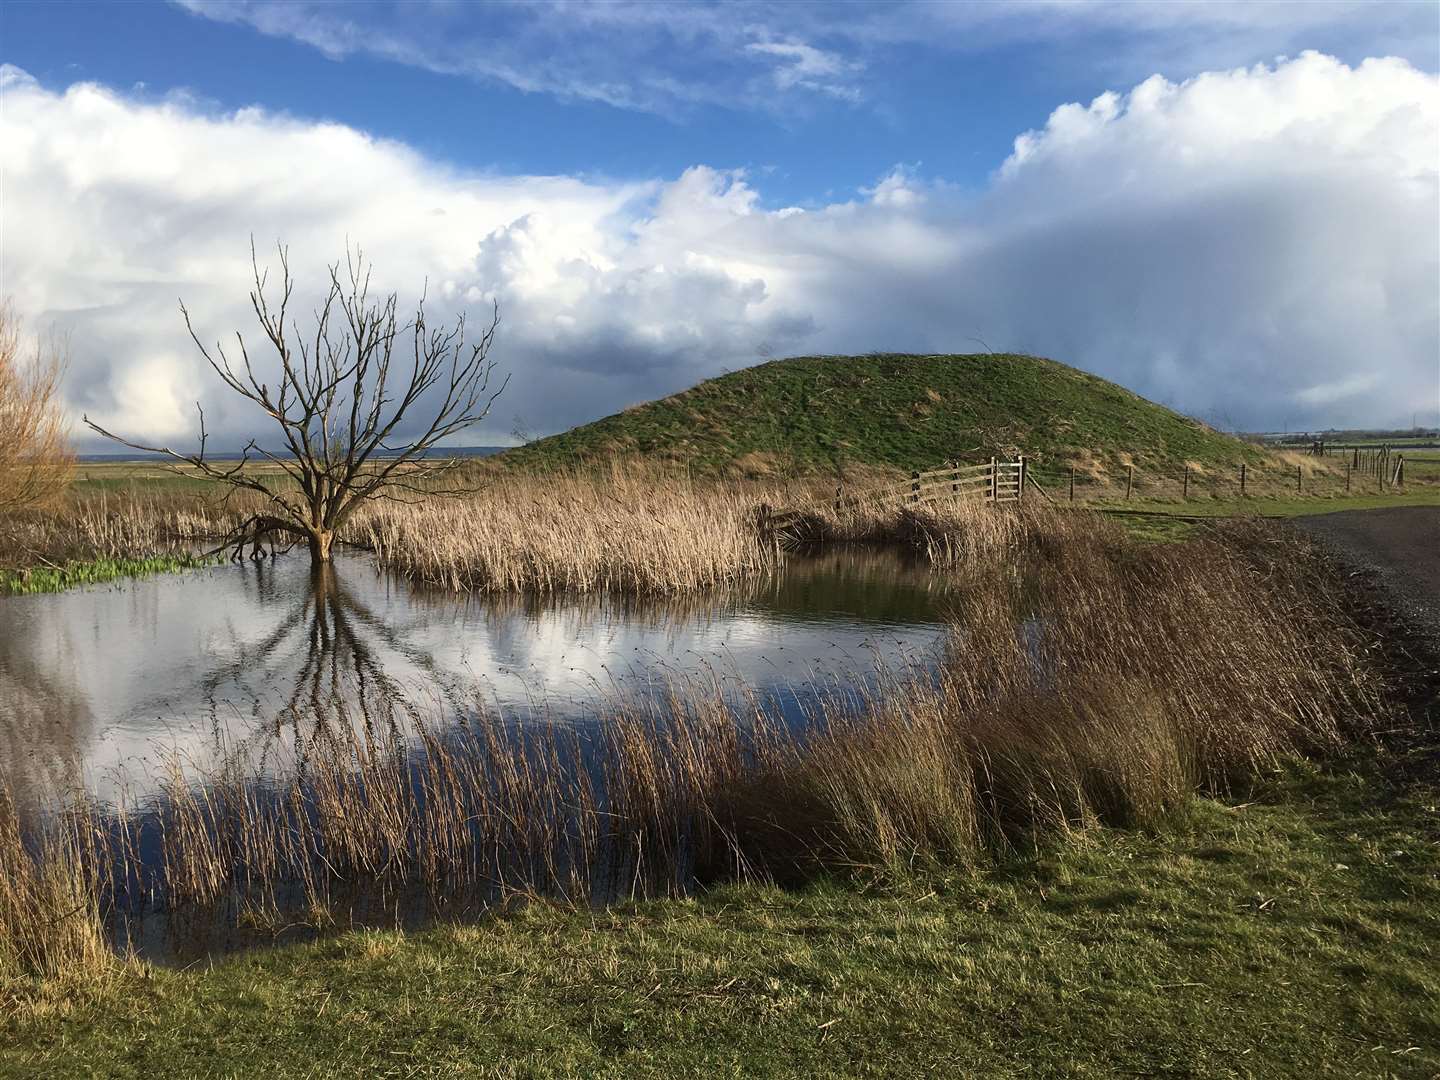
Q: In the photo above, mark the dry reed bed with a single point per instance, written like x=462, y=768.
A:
x=628, y=531
x=648, y=532
x=1091, y=681
x=111, y=525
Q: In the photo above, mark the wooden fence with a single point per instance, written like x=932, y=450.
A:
x=1374, y=470
x=994, y=481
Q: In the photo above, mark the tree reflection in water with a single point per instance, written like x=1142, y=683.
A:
x=46, y=724
x=321, y=674
x=243, y=666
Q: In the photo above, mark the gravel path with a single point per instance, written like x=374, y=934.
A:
x=1399, y=545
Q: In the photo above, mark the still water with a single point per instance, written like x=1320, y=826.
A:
x=106, y=685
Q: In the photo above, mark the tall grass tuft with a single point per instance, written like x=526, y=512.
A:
x=50, y=919
x=117, y=527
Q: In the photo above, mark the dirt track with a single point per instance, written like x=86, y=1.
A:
x=1401, y=545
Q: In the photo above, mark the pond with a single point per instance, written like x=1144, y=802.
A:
x=103, y=685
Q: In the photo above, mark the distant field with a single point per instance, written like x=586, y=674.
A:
x=1366, y=442
x=153, y=475
x=130, y=475
x=1426, y=462
x=1165, y=521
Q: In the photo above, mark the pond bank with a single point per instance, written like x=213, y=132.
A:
x=1227, y=943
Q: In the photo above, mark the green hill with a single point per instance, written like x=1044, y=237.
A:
x=828, y=413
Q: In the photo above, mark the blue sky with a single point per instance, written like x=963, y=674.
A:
x=674, y=138
x=951, y=108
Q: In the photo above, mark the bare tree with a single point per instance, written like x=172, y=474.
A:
x=35, y=457
x=344, y=393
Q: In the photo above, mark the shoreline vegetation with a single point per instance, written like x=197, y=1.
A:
x=626, y=527
x=70, y=575
x=1118, y=731
x=1088, y=681
x=1229, y=943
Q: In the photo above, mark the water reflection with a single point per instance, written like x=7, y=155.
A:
x=105, y=683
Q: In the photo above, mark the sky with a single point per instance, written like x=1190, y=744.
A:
x=1233, y=209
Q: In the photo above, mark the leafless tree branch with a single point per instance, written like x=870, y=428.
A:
x=344, y=392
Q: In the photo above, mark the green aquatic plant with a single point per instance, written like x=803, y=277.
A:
x=51, y=579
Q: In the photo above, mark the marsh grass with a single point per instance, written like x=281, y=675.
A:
x=625, y=530
x=49, y=899
x=136, y=526
x=650, y=531
x=1088, y=681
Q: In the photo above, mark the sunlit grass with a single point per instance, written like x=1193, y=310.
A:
x=1289, y=933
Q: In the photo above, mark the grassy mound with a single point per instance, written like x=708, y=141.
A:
x=832, y=413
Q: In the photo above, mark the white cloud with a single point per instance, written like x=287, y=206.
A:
x=661, y=58
x=748, y=54
x=805, y=66
x=1256, y=244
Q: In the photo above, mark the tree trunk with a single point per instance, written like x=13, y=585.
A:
x=320, y=542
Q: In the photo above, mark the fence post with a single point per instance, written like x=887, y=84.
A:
x=994, y=487
x=1185, y=492
x=1347, y=478
x=1299, y=490
x=1242, y=479
x=1072, y=483
x=1020, y=474
x=914, y=486
x=837, y=498
x=1129, y=481
x=1399, y=479
x=955, y=479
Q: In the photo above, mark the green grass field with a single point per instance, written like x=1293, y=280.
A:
x=1290, y=931
x=1281, y=506
x=1422, y=464
x=1170, y=521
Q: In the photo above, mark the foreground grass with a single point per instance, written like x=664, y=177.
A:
x=1294, y=933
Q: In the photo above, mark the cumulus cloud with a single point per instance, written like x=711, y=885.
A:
x=1254, y=245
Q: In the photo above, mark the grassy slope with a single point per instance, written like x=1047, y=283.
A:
x=1295, y=934
x=896, y=411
